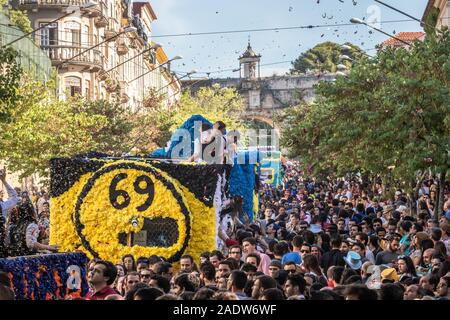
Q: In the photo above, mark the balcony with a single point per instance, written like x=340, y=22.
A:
x=101, y=20
x=139, y=25
x=112, y=86
x=35, y=5
x=124, y=97
x=92, y=60
x=112, y=29
x=108, y=76
x=121, y=48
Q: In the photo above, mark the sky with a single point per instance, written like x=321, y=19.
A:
x=217, y=52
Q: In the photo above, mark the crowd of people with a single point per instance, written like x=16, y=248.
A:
x=25, y=224
x=311, y=240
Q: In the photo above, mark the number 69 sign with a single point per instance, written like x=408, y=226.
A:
x=125, y=197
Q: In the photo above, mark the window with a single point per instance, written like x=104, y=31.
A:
x=73, y=86
x=73, y=33
x=49, y=34
x=86, y=36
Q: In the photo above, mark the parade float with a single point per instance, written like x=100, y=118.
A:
x=108, y=207
x=105, y=207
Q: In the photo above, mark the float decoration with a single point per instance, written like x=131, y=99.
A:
x=45, y=277
x=137, y=206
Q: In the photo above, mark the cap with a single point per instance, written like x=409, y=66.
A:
x=291, y=257
x=389, y=274
x=353, y=259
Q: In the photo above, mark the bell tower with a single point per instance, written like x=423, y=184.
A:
x=249, y=64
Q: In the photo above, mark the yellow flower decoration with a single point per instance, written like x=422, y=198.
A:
x=125, y=207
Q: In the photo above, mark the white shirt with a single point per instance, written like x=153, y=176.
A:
x=218, y=146
x=31, y=235
x=198, y=156
x=11, y=202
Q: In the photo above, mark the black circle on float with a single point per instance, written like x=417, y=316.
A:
x=90, y=183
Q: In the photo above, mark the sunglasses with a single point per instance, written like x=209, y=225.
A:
x=291, y=271
x=304, y=251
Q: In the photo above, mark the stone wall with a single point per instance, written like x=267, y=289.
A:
x=273, y=93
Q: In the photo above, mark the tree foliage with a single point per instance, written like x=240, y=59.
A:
x=390, y=115
x=325, y=57
x=214, y=103
x=43, y=127
x=114, y=137
x=17, y=17
x=10, y=74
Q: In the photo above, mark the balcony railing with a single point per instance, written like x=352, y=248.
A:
x=94, y=11
x=112, y=29
x=101, y=20
x=52, y=2
x=91, y=59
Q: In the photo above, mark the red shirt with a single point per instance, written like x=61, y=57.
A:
x=100, y=295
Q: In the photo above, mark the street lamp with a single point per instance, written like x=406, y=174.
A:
x=154, y=47
x=237, y=70
x=85, y=6
x=346, y=47
x=151, y=70
x=189, y=86
x=359, y=21
x=341, y=67
x=185, y=76
x=345, y=57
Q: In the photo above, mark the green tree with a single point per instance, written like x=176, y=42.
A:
x=17, y=17
x=150, y=124
x=390, y=116
x=43, y=127
x=10, y=74
x=114, y=137
x=158, y=122
x=325, y=57
x=214, y=103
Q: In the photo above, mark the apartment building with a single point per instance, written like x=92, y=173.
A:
x=94, y=50
x=437, y=13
